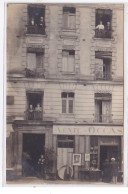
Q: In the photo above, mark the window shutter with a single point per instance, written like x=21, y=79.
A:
x=31, y=61
x=65, y=20
x=71, y=63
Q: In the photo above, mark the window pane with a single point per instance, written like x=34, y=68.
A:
x=71, y=21
x=65, y=20
x=39, y=60
x=10, y=100
x=71, y=63
x=70, y=106
x=71, y=95
x=63, y=106
x=64, y=94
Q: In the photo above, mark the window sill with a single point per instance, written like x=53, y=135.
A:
x=106, y=39
x=68, y=73
x=69, y=30
x=39, y=35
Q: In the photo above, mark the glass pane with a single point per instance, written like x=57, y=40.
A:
x=70, y=106
x=63, y=106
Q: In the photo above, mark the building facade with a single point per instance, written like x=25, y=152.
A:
x=64, y=86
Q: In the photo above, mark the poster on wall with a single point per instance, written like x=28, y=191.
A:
x=77, y=159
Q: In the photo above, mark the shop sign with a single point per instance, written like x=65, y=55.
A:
x=88, y=130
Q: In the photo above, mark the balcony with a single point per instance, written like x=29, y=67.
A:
x=103, y=118
x=103, y=76
x=99, y=33
x=35, y=29
x=33, y=115
x=35, y=73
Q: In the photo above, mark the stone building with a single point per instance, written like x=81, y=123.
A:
x=65, y=86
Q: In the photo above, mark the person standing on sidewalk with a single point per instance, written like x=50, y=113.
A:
x=114, y=170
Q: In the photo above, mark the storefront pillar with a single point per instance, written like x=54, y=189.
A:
x=19, y=154
x=87, y=150
x=122, y=148
x=76, y=151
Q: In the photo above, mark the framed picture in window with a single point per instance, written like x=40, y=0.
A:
x=77, y=159
x=87, y=157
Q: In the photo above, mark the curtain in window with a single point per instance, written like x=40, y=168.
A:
x=39, y=60
x=99, y=68
x=106, y=111
x=31, y=61
x=65, y=20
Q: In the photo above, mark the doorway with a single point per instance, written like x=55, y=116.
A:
x=33, y=148
x=108, y=152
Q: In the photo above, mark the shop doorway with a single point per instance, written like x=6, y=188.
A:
x=108, y=152
x=33, y=148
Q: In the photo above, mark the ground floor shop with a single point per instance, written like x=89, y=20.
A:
x=70, y=152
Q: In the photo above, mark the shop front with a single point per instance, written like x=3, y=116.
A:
x=82, y=150
x=30, y=140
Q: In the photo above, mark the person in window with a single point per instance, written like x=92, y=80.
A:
x=100, y=26
x=41, y=161
x=114, y=170
x=31, y=112
x=41, y=25
x=38, y=112
x=32, y=22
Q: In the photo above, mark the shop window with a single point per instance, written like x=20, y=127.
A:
x=10, y=100
x=35, y=61
x=103, y=23
x=65, y=141
x=67, y=102
x=36, y=19
x=68, y=61
x=34, y=106
x=103, y=63
x=69, y=17
x=103, y=107
x=93, y=152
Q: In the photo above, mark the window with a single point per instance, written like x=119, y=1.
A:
x=103, y=23
x=67, y=102
x=35, y=58
x=10, y=100
x=68, y=61
x=65, y=141
x=36, y=19
x=103, y=107
x=103, y=65
x=34, y=106
x=94, y=152
x=69, y=17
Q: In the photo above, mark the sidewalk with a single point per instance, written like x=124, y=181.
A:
x=36, y=181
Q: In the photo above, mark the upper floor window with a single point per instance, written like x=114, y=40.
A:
x=36, y=19
x=103, y=23
x=67, y=102
x=34, y=106
x=69, y=17
x=103, y=65
x=103, y=107
x=35, y=61
x=10, y=100
x=68, y=61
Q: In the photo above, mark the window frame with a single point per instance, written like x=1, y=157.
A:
x=67, y=10
x=67, y=99
x=65, y=71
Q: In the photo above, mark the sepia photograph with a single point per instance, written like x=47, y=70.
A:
x=65, y=91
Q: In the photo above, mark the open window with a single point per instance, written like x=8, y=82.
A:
x=34, y=106
x=103, y=107
x=68, y=61
x=35, y=62
x=103, y=23
x=103, y=63
x=69, y=17
x=36, y=19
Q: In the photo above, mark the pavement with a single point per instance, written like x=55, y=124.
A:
x=36, y=181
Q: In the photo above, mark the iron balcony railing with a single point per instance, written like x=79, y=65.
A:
x=99, y=33
x=35, y=29
x=103, y=76
x=35, y=73
x=103, y=118
x=33, y=115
